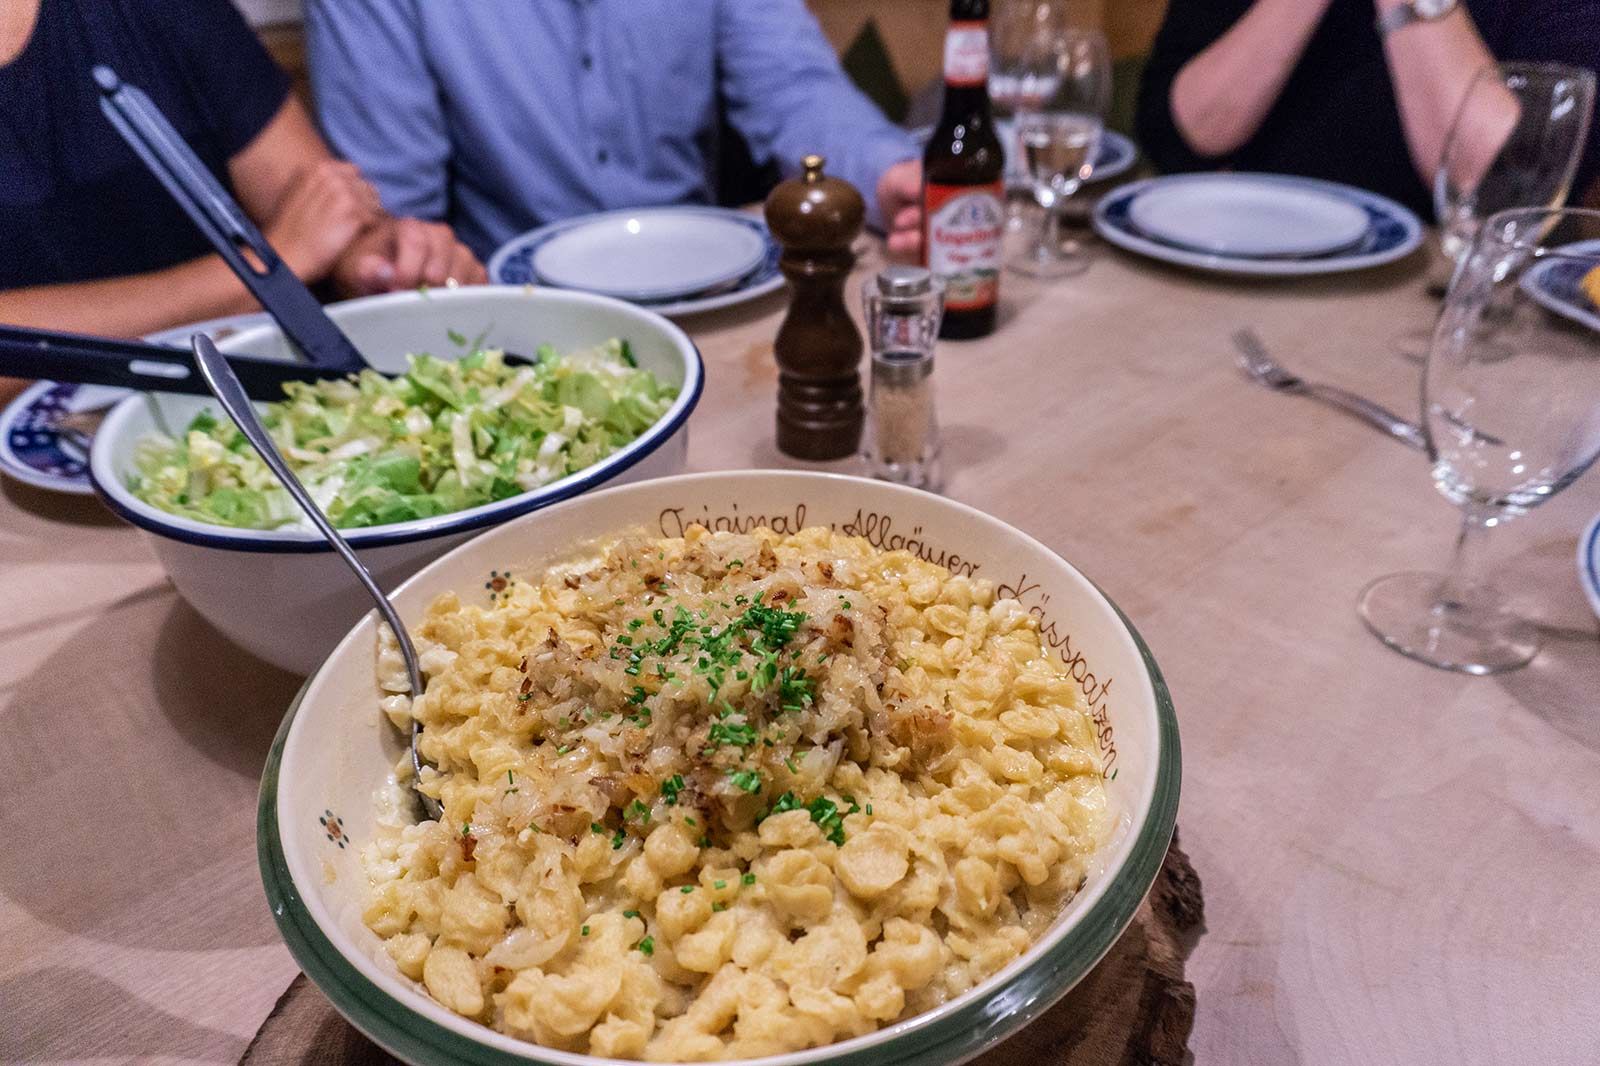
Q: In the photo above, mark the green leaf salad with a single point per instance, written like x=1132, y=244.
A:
x=445, y=436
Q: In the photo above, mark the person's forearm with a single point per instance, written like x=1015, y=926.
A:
x=1221, y=96
x=131, y=306
x=1432, y=64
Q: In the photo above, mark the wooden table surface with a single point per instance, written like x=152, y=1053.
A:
x=1400, y=865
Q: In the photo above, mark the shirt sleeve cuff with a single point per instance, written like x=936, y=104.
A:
x=876, y=156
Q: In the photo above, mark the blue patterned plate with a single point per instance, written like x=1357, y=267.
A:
x=1556, y=283
x=1394, y=231
x=39, y=442
x=512, y=264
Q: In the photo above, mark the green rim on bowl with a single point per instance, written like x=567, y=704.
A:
x=924, y=1040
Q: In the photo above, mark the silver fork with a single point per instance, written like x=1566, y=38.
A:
x=1263, y=369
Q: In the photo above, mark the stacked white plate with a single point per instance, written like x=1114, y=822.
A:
x=674, y=260
x=1257, y=224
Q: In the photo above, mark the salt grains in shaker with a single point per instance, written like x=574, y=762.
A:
x=903, y=307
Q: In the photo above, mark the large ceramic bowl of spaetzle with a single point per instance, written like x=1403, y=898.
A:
x=749, y=766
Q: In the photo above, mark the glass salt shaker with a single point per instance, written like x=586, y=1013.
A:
x=903, y=307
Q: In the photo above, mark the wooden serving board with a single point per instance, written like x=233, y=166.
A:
x=1134, y=1009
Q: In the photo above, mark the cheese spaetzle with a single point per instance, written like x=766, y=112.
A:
x=730, y=795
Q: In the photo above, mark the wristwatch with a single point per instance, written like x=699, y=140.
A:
x=1413, y=11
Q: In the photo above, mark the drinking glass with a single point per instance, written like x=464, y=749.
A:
x=1012, y=28
x=1511, y=405
x=1516, y=141
x=1062, y=101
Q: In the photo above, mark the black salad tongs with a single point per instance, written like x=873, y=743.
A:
x=225, y=225
x=38, y=353
x=235, y=238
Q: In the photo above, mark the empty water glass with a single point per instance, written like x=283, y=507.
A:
x=1516, y=141
x=1061, y=110
x=1511, y=406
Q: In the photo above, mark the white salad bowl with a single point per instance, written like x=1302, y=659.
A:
x=335, y=751
x=282, y=594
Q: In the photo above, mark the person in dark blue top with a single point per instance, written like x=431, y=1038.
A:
x=90, y=241
x=1358, y=91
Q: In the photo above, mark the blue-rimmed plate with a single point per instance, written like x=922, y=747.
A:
x=513, y=264
x=1557, y=283
x=1589, y=564
x=38, y=442
x=44, y=432
x=1393, y=231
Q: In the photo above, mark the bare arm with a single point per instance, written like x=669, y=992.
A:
x=130, y=306
x=285, y=178
x=1432, y=64
x=1221, y=96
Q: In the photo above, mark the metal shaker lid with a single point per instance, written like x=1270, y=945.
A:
x=902, y=282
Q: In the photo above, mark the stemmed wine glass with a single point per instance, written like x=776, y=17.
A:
x=1516, y=141
x=1062, y=101
x=1511, y=404
x=1012, y=29
x=1011, y=32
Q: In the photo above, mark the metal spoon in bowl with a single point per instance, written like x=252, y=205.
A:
x=230, y=393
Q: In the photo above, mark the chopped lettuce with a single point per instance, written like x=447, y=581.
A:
x=445, y=436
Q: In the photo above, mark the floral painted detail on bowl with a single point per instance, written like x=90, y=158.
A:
x=499, y=585
x=333, y=828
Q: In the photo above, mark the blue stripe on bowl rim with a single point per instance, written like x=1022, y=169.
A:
x=1395, y=231
x=1589, y=564
x=488, y=514
x=928, y=1039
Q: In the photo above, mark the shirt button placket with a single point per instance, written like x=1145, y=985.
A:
x=586, y=45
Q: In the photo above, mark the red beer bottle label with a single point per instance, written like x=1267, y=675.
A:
x=965, y=226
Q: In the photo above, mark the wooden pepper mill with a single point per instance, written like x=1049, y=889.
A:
x=815, y=218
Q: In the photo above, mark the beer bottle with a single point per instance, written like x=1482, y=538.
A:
x=963, y=195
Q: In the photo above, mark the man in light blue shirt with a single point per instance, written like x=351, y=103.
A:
x=502, y=115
